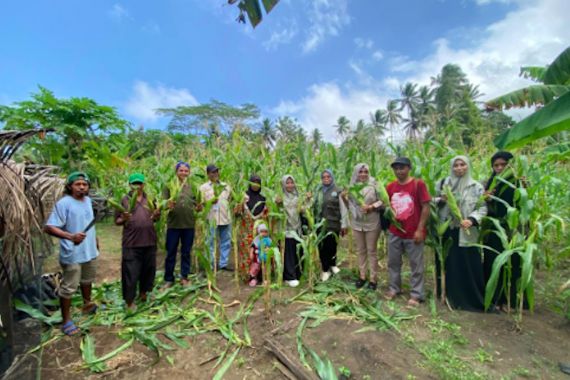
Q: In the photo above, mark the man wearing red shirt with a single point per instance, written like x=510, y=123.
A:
x=409, y=199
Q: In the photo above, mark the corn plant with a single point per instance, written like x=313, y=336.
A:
x=527, y=226
x=441, y=246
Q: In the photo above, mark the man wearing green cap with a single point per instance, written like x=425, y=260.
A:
x=138, y=264
x=71, y=221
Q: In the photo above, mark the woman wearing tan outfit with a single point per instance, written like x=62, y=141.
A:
x=365, y=223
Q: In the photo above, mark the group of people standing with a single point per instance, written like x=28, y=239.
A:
x=334, y=211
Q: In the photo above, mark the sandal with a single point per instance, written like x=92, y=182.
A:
x=90, y=308
x=359, y=283
x=390, y=295
x=69, y=328
x=130, y=310
x=167, y=285
x=413, y=302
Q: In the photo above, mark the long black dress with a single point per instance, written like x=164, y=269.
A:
x=464, y=284
x=498, y=211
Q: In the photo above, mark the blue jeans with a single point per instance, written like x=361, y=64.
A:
x=173, y=236
x=224, y=234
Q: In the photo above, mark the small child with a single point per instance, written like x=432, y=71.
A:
x=258, y=254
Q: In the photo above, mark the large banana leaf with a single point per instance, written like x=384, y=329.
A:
x=536, y=73
x=553, y=118
x=269, y=4
x=253, y=10
x=539, y=94
x=558, y=72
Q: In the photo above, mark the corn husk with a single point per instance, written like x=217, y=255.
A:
x=452, y=203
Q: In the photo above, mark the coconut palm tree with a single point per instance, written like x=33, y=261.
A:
x=393, y=116
x=410, y=97
x=267, y=133
x=410, y=102
x=342, y=127
x=287, y=128
x=426, y=108
x=378, y=121
x=316, y=137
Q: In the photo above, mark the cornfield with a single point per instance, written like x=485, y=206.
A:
x=179, y=312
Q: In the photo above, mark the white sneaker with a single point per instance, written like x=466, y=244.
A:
x=325, y=276
x=335, y=269
x=292, y=283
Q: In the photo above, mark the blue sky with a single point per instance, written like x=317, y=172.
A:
x=313, y=59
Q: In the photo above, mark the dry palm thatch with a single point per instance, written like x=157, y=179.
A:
x=28, y=194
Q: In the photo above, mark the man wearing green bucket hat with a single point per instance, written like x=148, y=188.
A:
x=138, y=263
x=71, y=220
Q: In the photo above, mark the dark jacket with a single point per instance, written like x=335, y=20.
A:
x=328, y=205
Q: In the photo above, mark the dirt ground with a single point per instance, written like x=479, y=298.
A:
x=436, y=344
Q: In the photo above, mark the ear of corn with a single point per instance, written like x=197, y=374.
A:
x=452, y=204
x=133, y=200
x=116, y=205
x=389, y=212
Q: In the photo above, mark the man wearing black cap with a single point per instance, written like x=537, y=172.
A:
x=219, y=215
x=410, y=200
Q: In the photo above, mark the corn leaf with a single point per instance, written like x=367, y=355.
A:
x=324, y=367
x=36, y=314
x=227, y=364
x=88, y=354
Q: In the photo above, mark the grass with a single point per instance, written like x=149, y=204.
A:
x=442, y=351
x=109, y=236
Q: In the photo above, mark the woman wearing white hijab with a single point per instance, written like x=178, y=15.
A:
x=293, y=251
x=365, y=224
x=464, y=281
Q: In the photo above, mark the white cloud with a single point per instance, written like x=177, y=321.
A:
x=377, y=55
x=326, y=18
x=522, y=37
x=281, y=36
x=325, y=102
x=363, y=43
x=147, y=98
x=533, y=34
x=119, y=13
x=391, y=84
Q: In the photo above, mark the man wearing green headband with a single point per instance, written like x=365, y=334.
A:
x=71, y=221
x=138, y=263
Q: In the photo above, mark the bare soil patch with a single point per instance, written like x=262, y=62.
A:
x=477, y=344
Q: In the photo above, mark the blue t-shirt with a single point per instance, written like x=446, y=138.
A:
x=72, y=215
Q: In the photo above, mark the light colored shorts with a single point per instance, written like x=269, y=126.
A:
x=76, y=274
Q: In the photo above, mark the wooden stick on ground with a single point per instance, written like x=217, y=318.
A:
x=289, y=361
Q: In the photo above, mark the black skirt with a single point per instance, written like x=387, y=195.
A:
x=464, y=283
x=293, y=254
